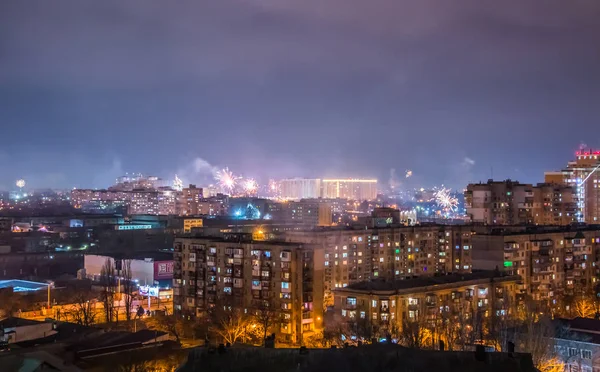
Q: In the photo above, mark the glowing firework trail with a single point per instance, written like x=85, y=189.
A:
x=408, y=173
x=445, y=200
x=250, y=185
x=226, y=180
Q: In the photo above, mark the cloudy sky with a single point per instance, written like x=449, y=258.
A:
x=278, y=88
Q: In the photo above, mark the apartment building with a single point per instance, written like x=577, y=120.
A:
x=355, y=255
x=300, y=188
x=352, y=189
x=388, y=303
x=188, y=200
x=553, y=262
x=248, y=274
x=583, y=176
x=554, y=204
x=500, y=203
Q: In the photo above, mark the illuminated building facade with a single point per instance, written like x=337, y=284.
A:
x=249, y=275
x=583, y=176
x=312, y=212
x=187, y=203
x=500, y=203
x=552, y=261
x=137, y=181
x=353, y=189
x=554, y=204
x=299, y=188
x=354, y=255
x=466, y=296
x=96, y=201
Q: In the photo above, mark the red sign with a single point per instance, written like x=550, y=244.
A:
x=163, y=270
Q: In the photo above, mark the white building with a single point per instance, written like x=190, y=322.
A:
x=300, y=188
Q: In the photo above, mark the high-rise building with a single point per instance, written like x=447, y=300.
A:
x=583, y=176
x=248, y=275
x=454, y=297
x=388, y=253
x=144, y=202
x=554, y=204
x=187, y=203
x=313, y=212
x=137, y=181
x=299, y=188
x=500, y=203
x=552, y=261
x=354, y=189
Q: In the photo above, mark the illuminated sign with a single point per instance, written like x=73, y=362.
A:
x=134, y=227
x=145, y=290
x=163, y=270
x=508, y=263
x=188, y=224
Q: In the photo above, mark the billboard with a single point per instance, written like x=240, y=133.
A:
x=145, y=290
x=163, y=270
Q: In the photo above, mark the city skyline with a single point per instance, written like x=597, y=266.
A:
x=289, y=89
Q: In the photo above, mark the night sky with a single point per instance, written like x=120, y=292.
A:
x=277, y=88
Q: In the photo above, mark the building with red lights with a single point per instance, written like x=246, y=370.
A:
x=583, y=176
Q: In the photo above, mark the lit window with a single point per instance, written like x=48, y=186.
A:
x=285, y=285
x=374, y=303
x=380, y=259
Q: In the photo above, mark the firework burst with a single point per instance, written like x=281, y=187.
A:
x=445, y=200
x=408, y=174
x=250, y=186
x=226, y=180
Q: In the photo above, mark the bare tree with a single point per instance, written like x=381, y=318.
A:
x=176, y=326
x=128, y=288
x=267, y=316
x=83, y=308
x=231, y=324
x=535, y=336
x=10, y=302
x=107, y=295
x=414, y=333
x=584, y=307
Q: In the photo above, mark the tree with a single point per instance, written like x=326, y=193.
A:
x=267, y=316
x=83, y=309
x=413, y=333
x=535, y=335
x=584, y=307
x=231, y=324
x=176, y=326
x=107, y=295
x=449, y=330
x=10, y=302
x=128, y=288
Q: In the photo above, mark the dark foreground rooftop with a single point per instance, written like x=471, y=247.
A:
x=421, y=282
x=381, y=358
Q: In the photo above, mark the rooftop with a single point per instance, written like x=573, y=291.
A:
x=17, y=322
x=414, y=283
x=22, y=285
x=575, y=229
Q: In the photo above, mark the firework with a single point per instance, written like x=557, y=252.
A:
x=250, y=185
x=177, y=184
x=408, y=174
x=20, y=183
x=226, y=180
x=445, y=200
